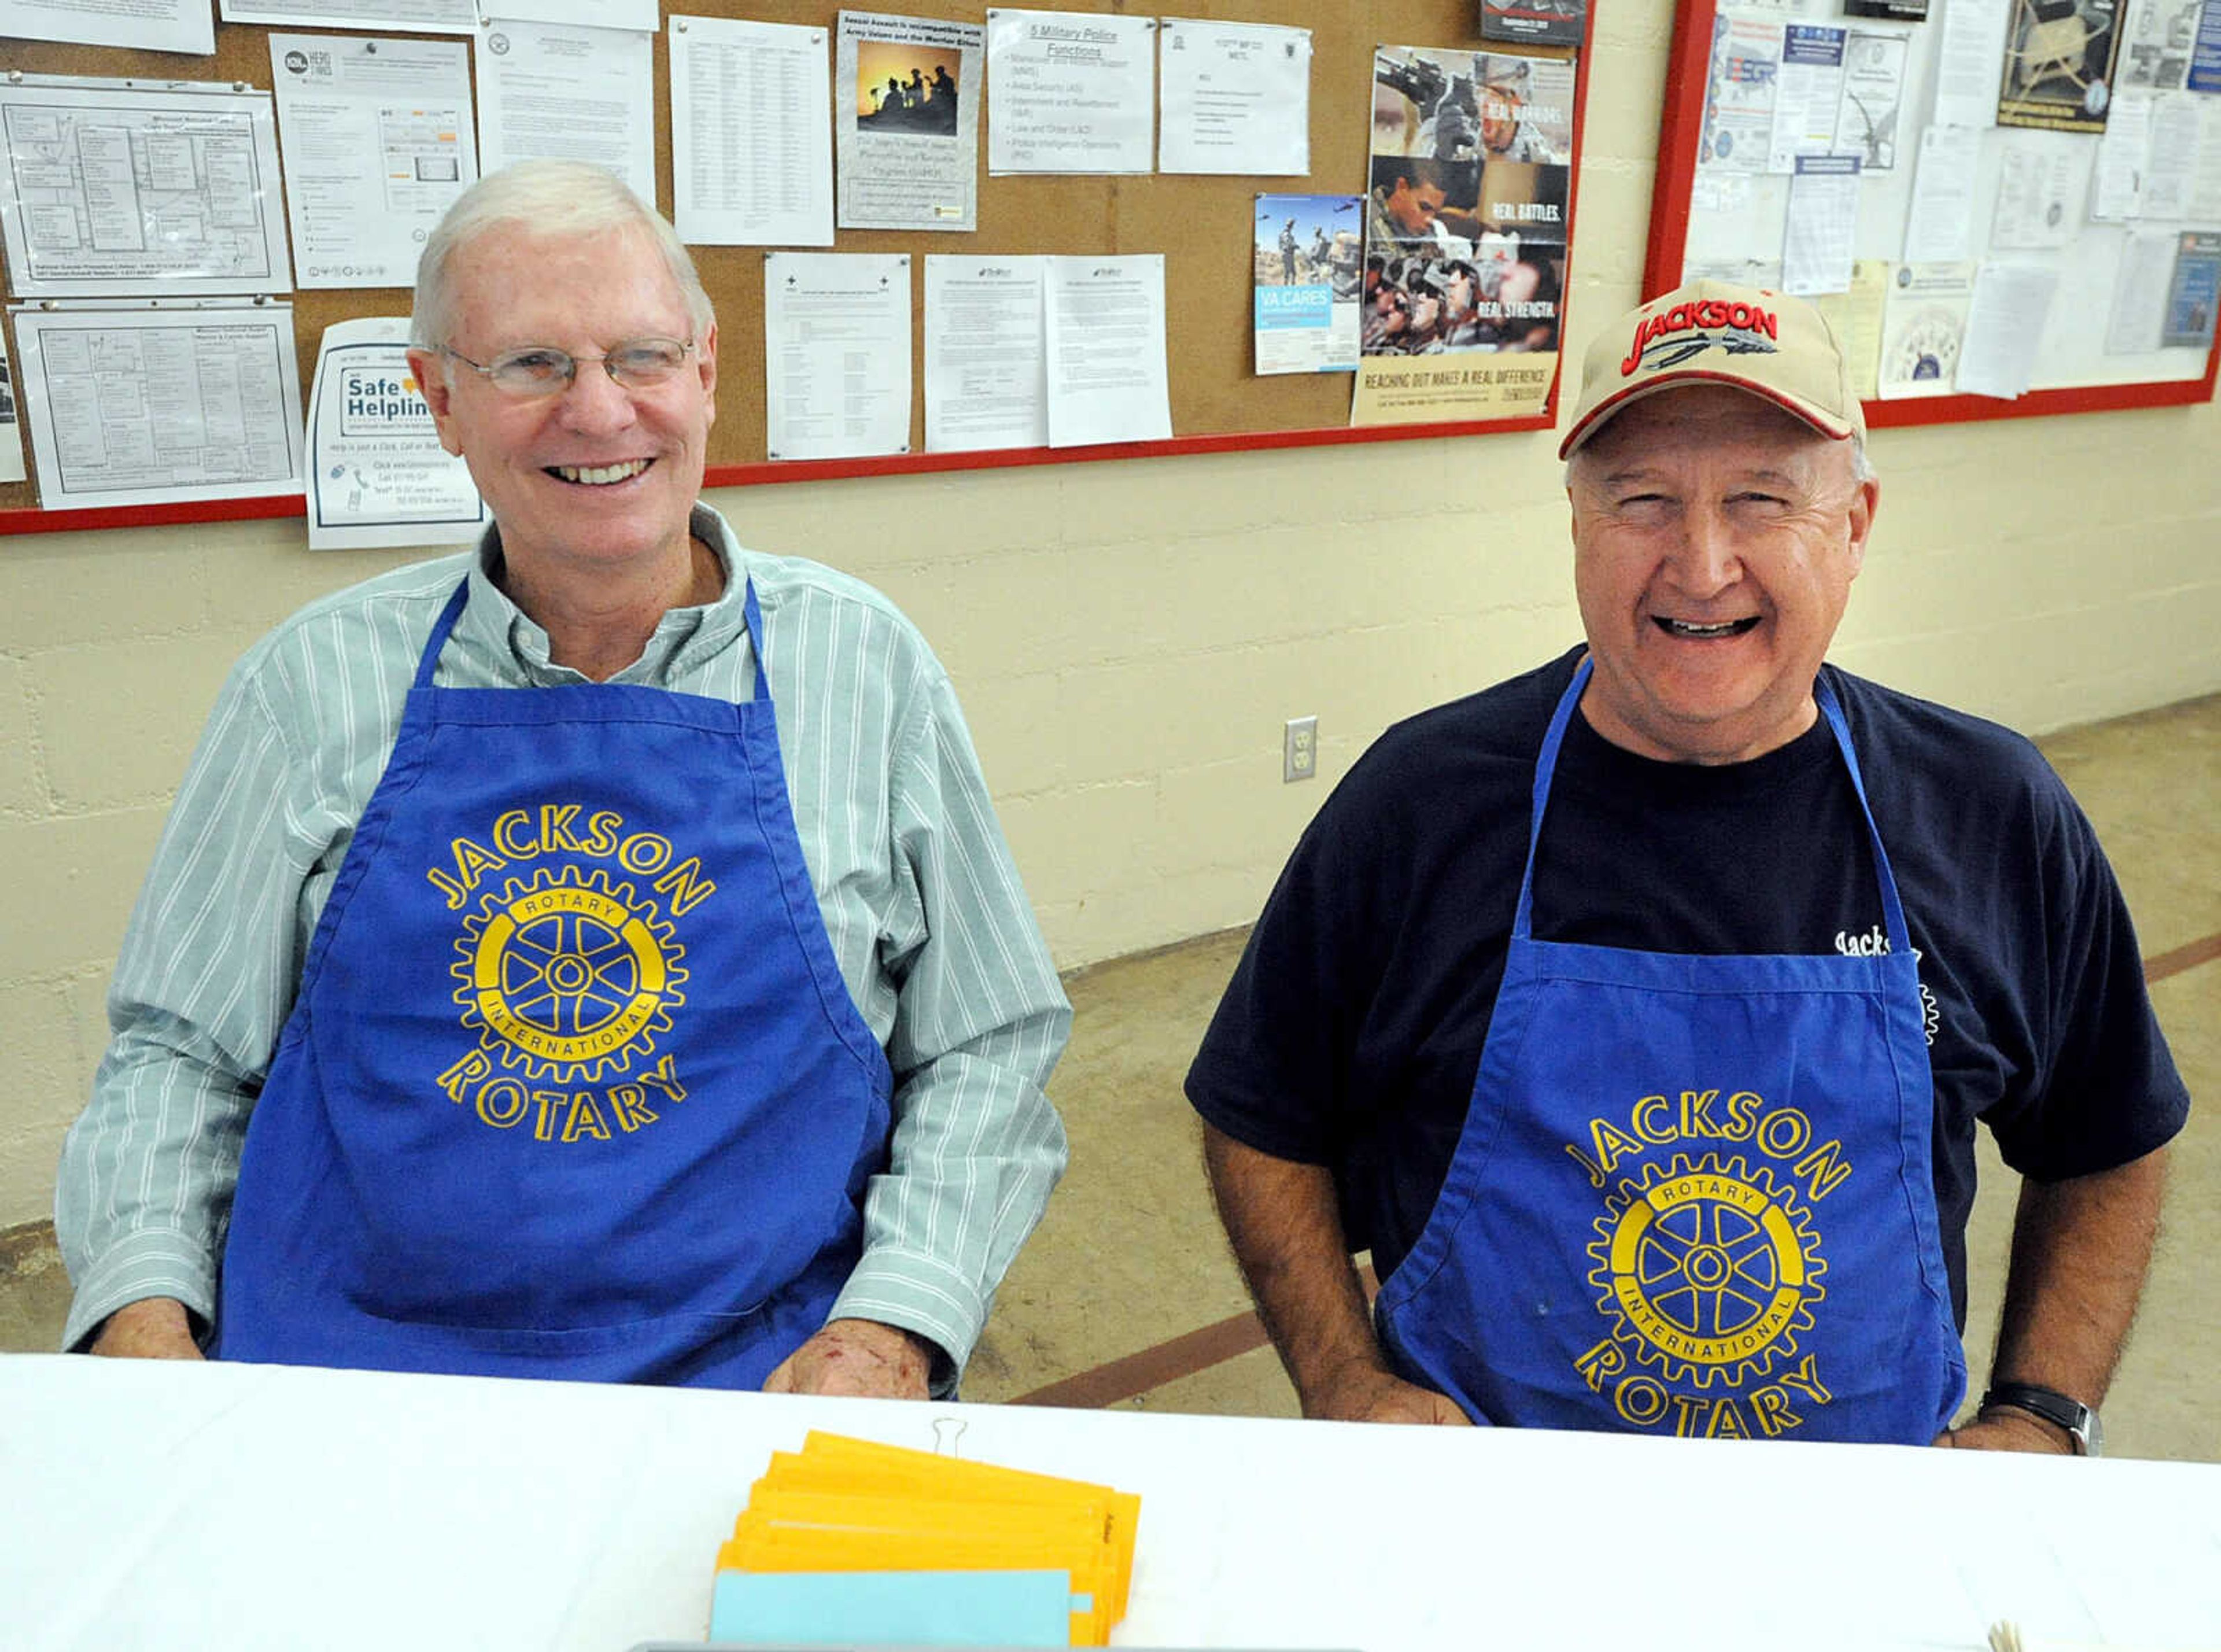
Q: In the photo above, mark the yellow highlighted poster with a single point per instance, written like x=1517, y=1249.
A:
x=1467, y=385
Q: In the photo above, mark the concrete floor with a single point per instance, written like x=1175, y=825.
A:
x=1130, y=1258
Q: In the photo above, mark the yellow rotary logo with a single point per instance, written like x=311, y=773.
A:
x=567, y=976
x=1707, y=1268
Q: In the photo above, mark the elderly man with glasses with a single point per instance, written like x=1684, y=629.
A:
x=592, y=957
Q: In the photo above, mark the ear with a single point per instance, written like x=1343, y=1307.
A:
x=706, y=351
x=430, y=370
x=1864, y=504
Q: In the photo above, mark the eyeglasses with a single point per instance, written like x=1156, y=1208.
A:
x=542, y=370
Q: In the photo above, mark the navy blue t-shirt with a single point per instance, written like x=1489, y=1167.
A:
x=1351, y=1030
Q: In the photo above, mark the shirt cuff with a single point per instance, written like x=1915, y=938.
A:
x=923, y=1294
x=139, y=1266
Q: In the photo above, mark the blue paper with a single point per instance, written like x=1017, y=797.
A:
x=918, y=1608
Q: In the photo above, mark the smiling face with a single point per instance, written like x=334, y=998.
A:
x=596, y=475
x=1714, y=540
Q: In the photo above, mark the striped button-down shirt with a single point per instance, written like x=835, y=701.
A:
x=931, y=930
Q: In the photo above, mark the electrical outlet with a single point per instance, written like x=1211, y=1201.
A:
x=1299, y=749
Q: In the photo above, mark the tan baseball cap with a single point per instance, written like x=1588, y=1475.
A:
x=1716, y=333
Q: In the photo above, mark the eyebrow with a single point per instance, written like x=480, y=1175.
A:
x=1630, y=473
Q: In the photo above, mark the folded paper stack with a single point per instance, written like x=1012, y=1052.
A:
x=848, y=1541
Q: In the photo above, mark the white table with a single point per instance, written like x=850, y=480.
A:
x=156, y=1505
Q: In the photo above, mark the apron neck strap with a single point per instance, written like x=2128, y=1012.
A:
x=441, y=627
x=1546, y=766
x=444, y=627
x=754, y=617
x=1893, y=909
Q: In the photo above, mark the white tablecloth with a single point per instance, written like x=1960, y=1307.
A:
x=158, y=1505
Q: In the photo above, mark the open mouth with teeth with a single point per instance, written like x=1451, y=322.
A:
x=1702, y=633
x=599, y=475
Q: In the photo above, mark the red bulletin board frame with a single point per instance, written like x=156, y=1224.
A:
x=86, y=518
x=821, y=470
x=1680, y=127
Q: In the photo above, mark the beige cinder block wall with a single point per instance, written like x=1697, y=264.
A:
x=1127, y=637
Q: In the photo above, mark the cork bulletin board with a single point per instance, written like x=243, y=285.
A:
x=2056, y=79
x=1202, y=226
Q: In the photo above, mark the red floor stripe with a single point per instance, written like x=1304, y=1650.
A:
x=2182, y=958
x=1243, y=1333
x=1152, y=1367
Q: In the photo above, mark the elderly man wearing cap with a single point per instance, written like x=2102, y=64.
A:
x=1637, y=1012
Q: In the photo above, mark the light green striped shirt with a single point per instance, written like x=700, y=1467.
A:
x=932, y=931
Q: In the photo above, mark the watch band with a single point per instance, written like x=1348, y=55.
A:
x=2080, y=1420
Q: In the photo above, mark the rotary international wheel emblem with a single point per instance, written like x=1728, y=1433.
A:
x=1708, y=1269
x=567, y=977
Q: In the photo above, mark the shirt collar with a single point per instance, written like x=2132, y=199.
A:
x=493, y=625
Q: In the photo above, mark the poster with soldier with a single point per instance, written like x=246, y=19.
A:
x=1451, y=104
x=1466, y=226
x=1307, y=259
x=907, y=121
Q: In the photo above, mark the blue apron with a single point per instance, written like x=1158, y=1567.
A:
x=1692, y=1195
x=572, y=1086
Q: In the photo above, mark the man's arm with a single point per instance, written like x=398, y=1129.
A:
x=202, y=983
x=979, y=1020
x=2079, y=1251
x=1281, y=1219
x=152, y=1328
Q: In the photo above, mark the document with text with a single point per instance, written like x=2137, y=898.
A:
x=1234, y=97
x=836, y=354
x=185, y=26
x=106, y=191
x=984, y=379
x=751, y=134
x=1073, y=92
x=907, y=121
x=149, y=406
x=423, y=16
x=1106, y=350
x=377, y=143
x=568, y=92
x=377, y=475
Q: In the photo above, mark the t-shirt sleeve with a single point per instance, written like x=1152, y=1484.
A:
x=2104, y=1089
x=1274, y=1069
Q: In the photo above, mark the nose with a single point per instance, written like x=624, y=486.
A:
x=594, y=401
x=1704, y=561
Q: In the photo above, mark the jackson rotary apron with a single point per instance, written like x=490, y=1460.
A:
x=1692, y=1194
x=572, y=1086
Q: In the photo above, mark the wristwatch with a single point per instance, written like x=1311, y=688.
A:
x=2080, y=1422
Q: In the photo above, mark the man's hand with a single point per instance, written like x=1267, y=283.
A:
x=1376, y=1396
x=2006, y=1430
x=857, y=1358
x=2079, y=1249
x=1281, y=1220
x=154, y=1329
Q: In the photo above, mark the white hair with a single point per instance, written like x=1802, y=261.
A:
x=548, y=197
